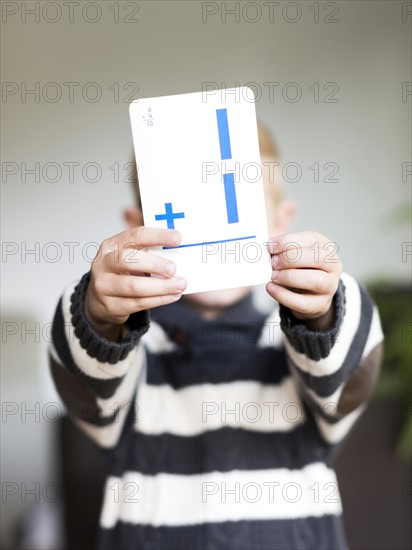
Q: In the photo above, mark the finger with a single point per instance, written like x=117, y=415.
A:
x=302, y=239
x=310, y=305
x=131, y=286
x=144, y=237
x=127, y=306
x=133, y=260
x=323, y=259
x=311, y=280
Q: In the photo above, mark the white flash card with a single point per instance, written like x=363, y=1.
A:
x=199, y=172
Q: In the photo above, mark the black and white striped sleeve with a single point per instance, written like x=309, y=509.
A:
x=336, y=369
x=95, y=377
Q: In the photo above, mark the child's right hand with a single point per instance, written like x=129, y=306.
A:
x=119, y=283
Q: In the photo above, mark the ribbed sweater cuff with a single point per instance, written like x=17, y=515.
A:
x=96, y=345
x=314, y=344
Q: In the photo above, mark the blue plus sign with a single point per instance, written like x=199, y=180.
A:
x=169, y=216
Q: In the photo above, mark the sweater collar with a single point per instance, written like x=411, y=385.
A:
x=182, y=321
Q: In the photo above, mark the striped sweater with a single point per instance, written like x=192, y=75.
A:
x=218, y=434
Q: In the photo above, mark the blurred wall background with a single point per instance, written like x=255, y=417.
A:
x=333, y=83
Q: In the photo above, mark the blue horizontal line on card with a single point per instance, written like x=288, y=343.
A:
x=210, y=242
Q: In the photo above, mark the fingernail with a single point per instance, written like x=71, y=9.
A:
x=170, y=269
x=180, y=283
x=176, y=237
x=275, y=261
x=271, y=246
x=275, y=274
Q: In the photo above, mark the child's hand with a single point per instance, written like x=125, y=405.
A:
x=119, y=283
x=305, y=273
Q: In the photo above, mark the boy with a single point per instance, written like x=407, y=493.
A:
x=218, y=421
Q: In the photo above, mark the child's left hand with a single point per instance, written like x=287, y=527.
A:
x=305, y=273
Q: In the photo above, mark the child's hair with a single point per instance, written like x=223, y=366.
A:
x=267, y=149
x=267, y=145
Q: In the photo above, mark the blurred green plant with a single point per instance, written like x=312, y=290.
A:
x=394, y=303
